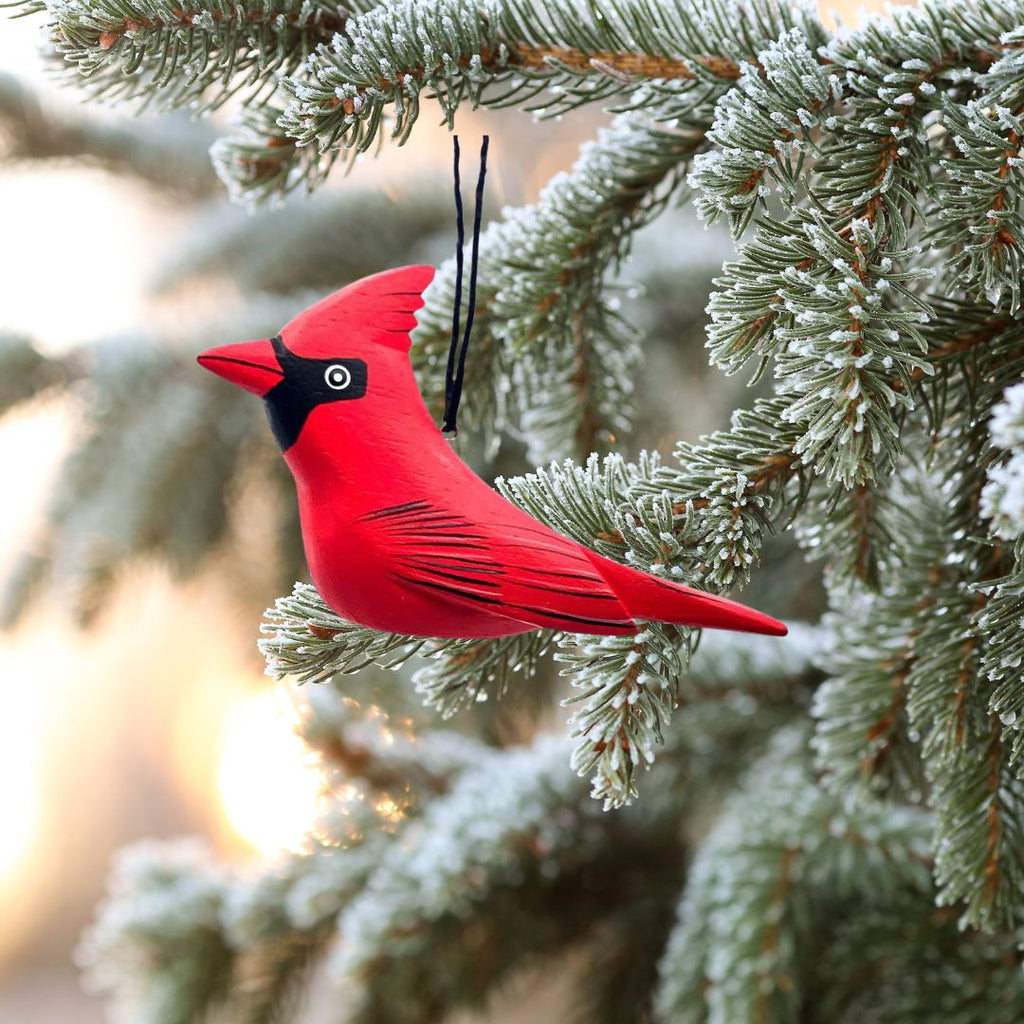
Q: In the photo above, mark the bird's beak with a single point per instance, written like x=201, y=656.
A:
x=249, y=364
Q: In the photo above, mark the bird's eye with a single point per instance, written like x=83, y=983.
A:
x=338, y=377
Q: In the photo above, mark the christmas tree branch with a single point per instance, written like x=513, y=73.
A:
x=761, y=130
x=451, y=865
x=628, y=686
x=584, y=56
x=515, y=819
x=571, y=357
x=977, y=204
x=119, y=494
x=905, y=675
x=260, y=164
x=574, y=359
x=475, y=861
x=173, y=156
x=304, y=639
x=319, y=244
x=26, y=373
x=918, y=957
x=189, y=55
x=396, y=760
x=763, y=899
x=157, y=945
x=879, y=171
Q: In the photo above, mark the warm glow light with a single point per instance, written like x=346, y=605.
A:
x=19, y=771
x=268, y=786
x=32, y=441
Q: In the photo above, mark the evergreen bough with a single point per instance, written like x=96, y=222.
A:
x=863, y=778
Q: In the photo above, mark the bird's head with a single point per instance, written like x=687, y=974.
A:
x=339, y=350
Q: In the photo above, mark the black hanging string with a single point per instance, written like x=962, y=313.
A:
x=449, y=377
x=456, y=371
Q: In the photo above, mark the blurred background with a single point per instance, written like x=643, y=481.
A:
x=132, y=701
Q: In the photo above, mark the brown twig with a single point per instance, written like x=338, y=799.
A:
x=995, y=824
x=957, y=345
x=633, y=65
x=108, y=37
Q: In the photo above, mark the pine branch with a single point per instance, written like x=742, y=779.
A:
x=998, y=623
x=474, y=840
x=260, y=165
x=280, y=922
x=198, y=55
x=836, y=277
x=1000, y=498
x=147, y=421
x=620, y=974
x=908, y=663
x=826, y=303
x=629, y=685
x=317, y=245
x=387, y=60
x=26, y=373
x=474, y=671
x=861, y=740
x=980, y=804
x=556, y=334
x=513, y=839
x=979, y=204
x=171, y=155
x=574, y=359
x=269, y=983
x=119, y=494
x=914, y=964
x=386, y=751
x=509, y=862
x=853, y=536
x=299, y=899
x=157, y=946
x=501, y=53
x=303, y=638
x=629, y=690
x=958, y=330
x=760, y=892
x=707, y=517
x=762, y=130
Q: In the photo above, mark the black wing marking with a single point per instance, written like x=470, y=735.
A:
x=444, y=552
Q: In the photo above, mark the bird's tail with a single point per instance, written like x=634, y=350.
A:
x=652, y=598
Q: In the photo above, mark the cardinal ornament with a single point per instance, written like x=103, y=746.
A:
x=399, y=533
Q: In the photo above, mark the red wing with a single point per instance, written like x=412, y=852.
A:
x=528, y=574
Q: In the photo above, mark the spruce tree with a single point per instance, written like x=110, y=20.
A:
x=828, y=827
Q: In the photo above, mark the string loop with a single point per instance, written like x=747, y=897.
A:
x=456, y=371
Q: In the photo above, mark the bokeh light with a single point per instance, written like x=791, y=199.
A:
x=268, y=785
x=20, y=789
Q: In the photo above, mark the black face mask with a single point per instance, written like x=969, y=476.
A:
x=306, y=384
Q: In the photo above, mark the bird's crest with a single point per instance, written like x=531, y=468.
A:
x=379, y=310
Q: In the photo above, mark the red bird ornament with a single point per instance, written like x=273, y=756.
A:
x=399, y=533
